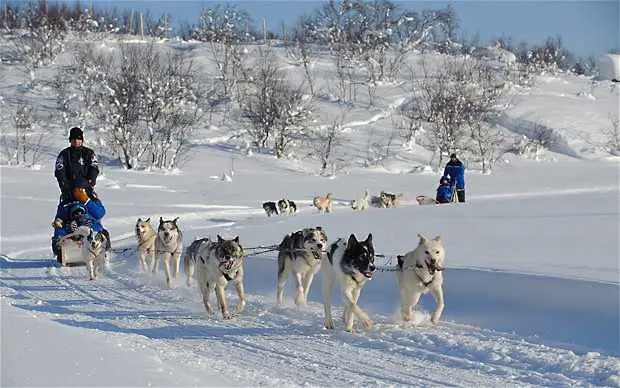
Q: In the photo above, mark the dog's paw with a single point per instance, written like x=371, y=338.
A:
x=435, y=320
x=329, y=324
x=226, y=315
x=240, y=307
x=367, y=323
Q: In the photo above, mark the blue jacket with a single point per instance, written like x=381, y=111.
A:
x=94, y=212
x=444, y=193
x=456, y=171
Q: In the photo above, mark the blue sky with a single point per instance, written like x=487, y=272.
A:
x=587, y=27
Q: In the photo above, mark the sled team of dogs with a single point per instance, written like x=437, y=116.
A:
x=347, y=262
x=324, y=203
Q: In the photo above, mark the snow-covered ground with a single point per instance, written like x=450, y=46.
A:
x=531, y=283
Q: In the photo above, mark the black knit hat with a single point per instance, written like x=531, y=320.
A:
x=453, y=156
x=76, y=133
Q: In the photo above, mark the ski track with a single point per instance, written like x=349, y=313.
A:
x=287, y=346
x=284, y=346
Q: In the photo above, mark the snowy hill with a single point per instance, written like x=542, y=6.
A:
x=531, y=281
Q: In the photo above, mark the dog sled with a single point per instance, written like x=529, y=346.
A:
x=70, y=253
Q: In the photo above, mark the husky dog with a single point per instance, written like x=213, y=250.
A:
x=424, y=200
x=420, y=271
x=270, y=208
x=361, y=203
x=145, y=234
x=352, y=264
x=168, y=246
x=191, y=256
x=286, y=207
x=389, y=199
x=218, y=263
x=92, y=248
x=300, y=253
x=324, y=204
x=94, y=253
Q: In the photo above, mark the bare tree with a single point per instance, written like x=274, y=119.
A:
x=612, y=136
x=226, y=29
x=24, y=145
x=408, y=121
x=379, y=148
x=274, y=108
x=451, y=97
x=540, y=137
x=325, y=141
x=301, y=51
x=39, y=42
x=146, y=102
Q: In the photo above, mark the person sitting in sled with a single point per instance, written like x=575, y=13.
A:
x=444, y=191
x=84, y=210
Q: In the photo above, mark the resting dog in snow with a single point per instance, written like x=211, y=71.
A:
x=218, y=263
x=168, y=247
x=324, y=204
x=420, y=271
x=270, y=208
x=352, y=264
x=300, y=253
x=286, y=207
x=145, y=234
x=424, y=200
x=389, y=199
x=361, y=203
x=191, y=255
x=93, y=249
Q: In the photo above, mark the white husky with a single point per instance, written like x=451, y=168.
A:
x=145, y=234
x=420, y=271
x=361, y=203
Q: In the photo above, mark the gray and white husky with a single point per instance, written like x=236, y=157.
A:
x=352, y=264
x=420, y=271
x=168, y=247
x=300, y=253
x=191, y=256
x=218, y=263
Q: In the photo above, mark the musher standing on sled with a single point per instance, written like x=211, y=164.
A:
x=456, y=171
x=76, y=172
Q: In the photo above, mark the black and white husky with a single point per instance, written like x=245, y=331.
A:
x=286, y=206
x=168, y=247
x=352, y=264
x=300, y=253
x=270, y=208
x=218, y=263
x=92, y=249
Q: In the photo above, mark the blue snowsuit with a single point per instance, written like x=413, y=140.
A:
x=74, y=214
x=456, y=171
x=444, y=193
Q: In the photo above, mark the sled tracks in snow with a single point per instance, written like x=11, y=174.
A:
x=270, y=345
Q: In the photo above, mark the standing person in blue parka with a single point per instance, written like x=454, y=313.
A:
x=456, y=171
x=444, y=191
